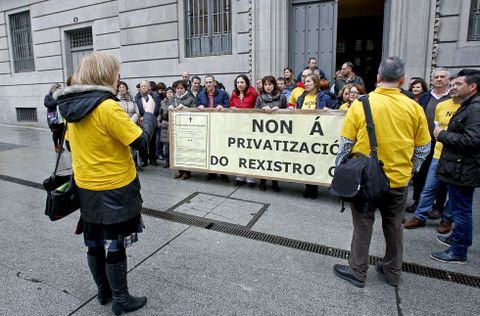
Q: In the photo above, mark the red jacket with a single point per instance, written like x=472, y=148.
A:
x=248, y=99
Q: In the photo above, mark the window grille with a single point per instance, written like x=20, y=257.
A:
x=209, y=27
x=82, y=38
x=474, y=21
x=21, y=32
x=26, y=114
x=79, y=44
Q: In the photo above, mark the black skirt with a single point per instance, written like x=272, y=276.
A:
x=113, y=236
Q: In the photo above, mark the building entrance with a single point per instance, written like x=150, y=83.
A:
x=359, y=37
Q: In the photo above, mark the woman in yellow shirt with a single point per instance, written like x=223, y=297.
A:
x=105, y=173
x=313, y=98
x=356, y=90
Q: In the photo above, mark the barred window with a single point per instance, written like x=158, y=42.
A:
x=209, y=27
x=80, y=44
x=21, y=31
x=474, y=21
x=81, y=38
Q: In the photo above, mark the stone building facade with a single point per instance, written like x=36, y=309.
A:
x=41, y=41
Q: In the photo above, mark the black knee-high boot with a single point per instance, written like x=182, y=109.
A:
x=123, y=302
x=96, y=263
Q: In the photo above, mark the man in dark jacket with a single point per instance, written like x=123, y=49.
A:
x=146, y=91
x=313, y=66
x=348, y=76
x=211, y=96
x=459, y=166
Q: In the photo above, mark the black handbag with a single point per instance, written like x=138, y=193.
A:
x=62, y=193
x=361, y=178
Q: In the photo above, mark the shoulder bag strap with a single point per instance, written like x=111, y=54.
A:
x=60, y=150
x=370, y=125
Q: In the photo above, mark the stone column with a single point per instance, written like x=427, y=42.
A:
x=411, y=35
x=270, y=32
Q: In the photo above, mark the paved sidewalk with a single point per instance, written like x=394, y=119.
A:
x=210, y=249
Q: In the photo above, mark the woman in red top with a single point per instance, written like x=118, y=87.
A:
x=243, y=96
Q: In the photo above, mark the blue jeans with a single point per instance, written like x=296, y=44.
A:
x=427, y=197
x=460, y=208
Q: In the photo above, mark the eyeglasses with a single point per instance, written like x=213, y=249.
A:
x=353, y=92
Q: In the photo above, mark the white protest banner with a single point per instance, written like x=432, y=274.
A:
x=286, y=145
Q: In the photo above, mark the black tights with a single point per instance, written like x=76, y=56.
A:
x=57, y=136
x=112, y=257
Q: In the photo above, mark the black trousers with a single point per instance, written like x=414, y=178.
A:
x=152, y=149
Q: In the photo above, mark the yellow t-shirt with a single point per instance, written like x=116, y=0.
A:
x=443, y=113
x=344, y=107
x=310, y=102
x=101, y=158
x=400, y=126
x=295, y=94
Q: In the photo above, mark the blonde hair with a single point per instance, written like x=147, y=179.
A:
x=97, y=69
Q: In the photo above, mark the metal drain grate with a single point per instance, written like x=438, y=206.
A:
x=236, y=230
x=240, y=231
x=21, y=182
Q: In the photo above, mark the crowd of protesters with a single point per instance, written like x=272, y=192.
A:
x=437, y=135
x=310, y=90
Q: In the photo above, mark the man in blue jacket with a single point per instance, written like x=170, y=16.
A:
x=211, y=96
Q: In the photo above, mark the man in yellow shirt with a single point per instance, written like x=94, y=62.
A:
x=402, y=133
x=443, y=113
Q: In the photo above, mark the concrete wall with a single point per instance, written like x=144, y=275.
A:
x=144, y=34
x=454, y=51
x=147, y=37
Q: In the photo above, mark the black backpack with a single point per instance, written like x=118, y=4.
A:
x=360, y=178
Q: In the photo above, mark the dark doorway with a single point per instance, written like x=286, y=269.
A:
x=359, y=37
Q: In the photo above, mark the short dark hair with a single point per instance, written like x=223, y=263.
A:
x=196, y=77
x=311, y=58
x=471, y=76
x=138, y=85
x=160, y=86
x=273, y=81
x=421, y=82
x=153, y=85
x=122, y=83
x=280, y=79
x=391, y=69
x=182, y=83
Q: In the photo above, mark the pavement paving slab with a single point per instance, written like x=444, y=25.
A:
x=186, y=270
x=209, y=273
